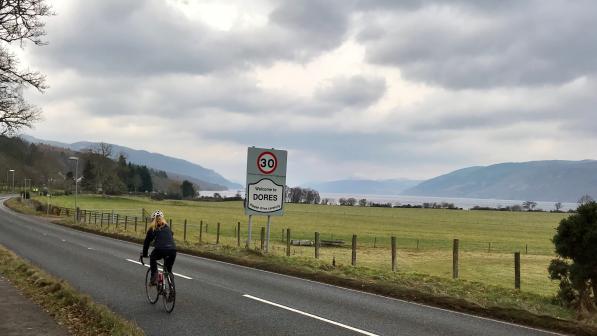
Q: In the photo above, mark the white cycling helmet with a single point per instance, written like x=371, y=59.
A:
x=157, y=213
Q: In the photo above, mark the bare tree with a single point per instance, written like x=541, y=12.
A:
x=20, y=21
x=558, y=206
x=586, y=199
x=103, y=149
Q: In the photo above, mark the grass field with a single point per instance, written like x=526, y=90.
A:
x=432, y=230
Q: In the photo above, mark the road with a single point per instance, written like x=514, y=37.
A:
x=216, y=298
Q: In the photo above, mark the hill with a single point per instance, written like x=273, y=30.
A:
x=207, y=179
x=564, y=181
x=362, y=186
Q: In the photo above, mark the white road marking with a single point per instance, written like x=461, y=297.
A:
x=63, y=240
x=180, y=275
x=360, y=331
x=90, y=248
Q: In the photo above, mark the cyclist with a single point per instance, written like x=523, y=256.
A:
x=163, y=245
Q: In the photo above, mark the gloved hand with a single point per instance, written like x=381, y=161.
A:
x=141, y=255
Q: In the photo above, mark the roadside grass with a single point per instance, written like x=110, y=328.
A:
x=424, y=236
x=463, y=295
x=76, y=311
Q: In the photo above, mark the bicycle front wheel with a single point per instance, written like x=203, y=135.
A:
x=169, y=292
x=152, y=292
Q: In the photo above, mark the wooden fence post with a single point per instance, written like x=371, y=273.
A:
x=218, y=233
x=117, y=220
x=95, y=218
x=489, y=247
x=238, y=234
x=393, y=254
x=517, y=270
x=354, y=250
x=171, y=228
x=102, y=220
x=206, y=224
x=317, y=243
x=201, y=231
x=262, y=236
x=146, y=220
x=135, y=223
x=288, y=242
x=184, y=235
x=455, y=259
x=126, y=221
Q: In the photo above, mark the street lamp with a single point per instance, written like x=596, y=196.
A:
x=13, y=179
x=76, y=159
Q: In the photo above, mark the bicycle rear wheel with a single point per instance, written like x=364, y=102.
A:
x=152, y=292
x=169, y=292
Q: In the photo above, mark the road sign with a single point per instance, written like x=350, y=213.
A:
x=267, y=162
x=266, y=178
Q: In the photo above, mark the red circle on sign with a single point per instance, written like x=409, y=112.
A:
x=267, y=166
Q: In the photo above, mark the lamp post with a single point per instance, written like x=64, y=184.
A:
x=13, y=179
x=76, y=159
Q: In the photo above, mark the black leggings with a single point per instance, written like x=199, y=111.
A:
x=157, y=254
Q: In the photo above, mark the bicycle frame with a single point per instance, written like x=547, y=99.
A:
x=165, y=288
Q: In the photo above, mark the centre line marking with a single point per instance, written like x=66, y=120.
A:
x=180, y=275
x=360, y=331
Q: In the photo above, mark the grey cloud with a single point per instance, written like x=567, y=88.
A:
x=529, y=43
x=321, y=24
x=569, y=106
x=148, y=37
x=355, y=91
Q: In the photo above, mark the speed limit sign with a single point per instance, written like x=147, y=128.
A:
x=266, y=181
x=267, y=162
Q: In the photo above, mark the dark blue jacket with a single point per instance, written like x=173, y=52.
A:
x=162, y=238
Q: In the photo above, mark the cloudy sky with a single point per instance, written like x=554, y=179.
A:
x=375, y=89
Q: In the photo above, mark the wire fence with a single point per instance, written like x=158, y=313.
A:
x=344, y=248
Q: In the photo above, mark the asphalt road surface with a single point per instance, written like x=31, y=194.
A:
x=215, y=298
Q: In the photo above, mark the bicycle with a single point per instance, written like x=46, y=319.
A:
x=164, y=287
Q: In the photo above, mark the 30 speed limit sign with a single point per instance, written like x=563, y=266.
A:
x=267, y=162
x=266, y=180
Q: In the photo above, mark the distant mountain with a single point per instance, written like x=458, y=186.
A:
x=564, y=181
x=205, y=178
x=375, y=187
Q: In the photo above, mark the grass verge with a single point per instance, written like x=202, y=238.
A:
x=76, y=311
x=460, y=295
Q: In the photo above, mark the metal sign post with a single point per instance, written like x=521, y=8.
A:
x=249, y=234
x=266, y=179
x=269, y=221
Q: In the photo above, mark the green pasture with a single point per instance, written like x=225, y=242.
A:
x=424, y=236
